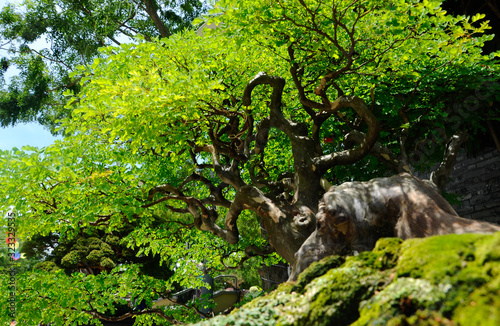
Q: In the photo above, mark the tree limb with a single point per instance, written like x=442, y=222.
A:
x=151, y=9
x=277, y=188
x=216, y=197
x=382, y=153
x=262, y=135
x=308, y=103
x=441, y=175
x=249, y=197
x=204, y=216
x=350, y=156
x=250, y=251
x=276, y=115
x=227, y=174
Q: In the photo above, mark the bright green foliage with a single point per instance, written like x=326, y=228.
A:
x=424, y=67
x=52, y=295
x=157, y=126
x=73, y=31
x=418, y=288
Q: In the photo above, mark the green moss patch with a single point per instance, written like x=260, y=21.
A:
x=316, y=270
x=443, y=280
x=401, y=299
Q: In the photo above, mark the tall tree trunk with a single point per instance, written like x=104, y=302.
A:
x=152, y=10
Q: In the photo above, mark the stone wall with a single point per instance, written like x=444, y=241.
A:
x=477, y=181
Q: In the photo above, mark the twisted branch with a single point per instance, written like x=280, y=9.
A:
x=351, y=156
x=382, y=153
x=441, y=175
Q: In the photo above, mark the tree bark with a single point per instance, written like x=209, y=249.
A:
x=441, y=175
x=350, y=217
x=151, y=9
x=354, y=215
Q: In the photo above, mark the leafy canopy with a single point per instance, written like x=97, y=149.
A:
x=163, y=137
x=46, y=39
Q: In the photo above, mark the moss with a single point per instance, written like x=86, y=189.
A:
x=276, y=297
x=420, y=318
x=402, y=298
x=489, y=249
x=481, y=308
x=317, y=269
x=260, y=311
x=248, y=317
x=336, y=296
x=436, y=258
x=388, y=251
x=444, y=280
x=457, y=260
x=384, y=256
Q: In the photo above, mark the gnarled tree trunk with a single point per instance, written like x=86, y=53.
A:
x=304, y=227
x=354, y=215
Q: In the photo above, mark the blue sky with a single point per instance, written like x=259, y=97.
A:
x=22, y=134
x=25, y=134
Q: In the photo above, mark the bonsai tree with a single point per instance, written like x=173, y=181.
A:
x=231, y=136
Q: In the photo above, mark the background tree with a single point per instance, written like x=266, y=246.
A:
x=191, y=125
x=73, y=31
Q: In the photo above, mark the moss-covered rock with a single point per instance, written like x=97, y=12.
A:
x=316, y=270
x=443, y=280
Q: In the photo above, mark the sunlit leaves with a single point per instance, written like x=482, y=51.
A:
x=149, y=110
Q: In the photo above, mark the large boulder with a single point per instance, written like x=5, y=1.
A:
x=439, y=280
